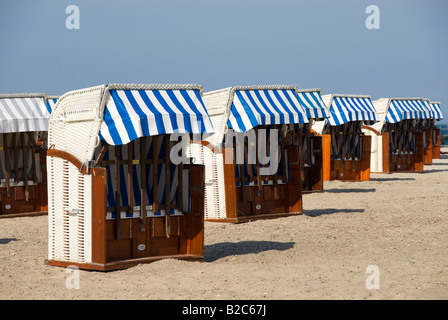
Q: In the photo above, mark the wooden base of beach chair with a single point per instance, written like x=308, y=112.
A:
x=427, y=151
x=22, y=202
x=436, y=144
x=312, y=175
x=347, y=170
x=122, y=264
x=409, y=163
x=86, y=239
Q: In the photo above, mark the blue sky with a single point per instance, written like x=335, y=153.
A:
x=217, y=43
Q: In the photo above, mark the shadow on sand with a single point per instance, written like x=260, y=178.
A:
x=7, y=240
x=433, y=170
x=390, y=179
x=348, y=190
x=224, y=249
x=318, y=212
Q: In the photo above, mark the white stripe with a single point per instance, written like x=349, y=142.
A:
x=297, y=104
x=270, y=107
x=116, y=118
x=348, y=110
x=243, y=115
x=251, y=106
x=258, y=103
x=165, y=117
x=315, y=109
x=199, y=105
x=193, y=117
x=364, y=105
x=135, y=118
x=414, y=107
x=179, y=115
x=406, y=113
x=338, y=111
x=28, y=108
x=149, y=115
x=426, y=108
x=398, y=110
x=6, y=108
x=359, y=111
x=234, y=124
x=288, y=113
x=23, y=114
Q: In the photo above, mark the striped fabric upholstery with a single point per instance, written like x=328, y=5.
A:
x=22, y=113
x=311, y=101
x=436, y=110
x=251, y=108
x=356, y=108
x=404, y=109
x=136, y=181
x=131, y=114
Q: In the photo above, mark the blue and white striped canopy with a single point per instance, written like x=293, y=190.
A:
x=352, y=108
x=131, y=114
x=312, y=103
x=50, y=103
x=251, y=108
x=436, y=110
x=405, y=109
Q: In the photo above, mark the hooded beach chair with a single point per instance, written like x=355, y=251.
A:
x=252, y=160
x=434, y=132
x=23, y=133
x=118, y=194
x=397, y=139
x=346, y=150
x=311, y=142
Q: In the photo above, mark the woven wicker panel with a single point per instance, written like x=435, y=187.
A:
x=194, y=153
x=215, y=204
x=75, y=122
x=69, y=212
x=54, y=209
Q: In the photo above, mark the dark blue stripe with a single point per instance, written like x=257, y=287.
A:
x=111, y=127
x=186, y=115
x=255, y=105
x=286, y=107
x=321, y=105
x=193, y=107
x=143, y=117
x=301, y=119
x=282, y=116
x=167, y=108
x=157, y=115
x=252, y=118
x=338, y=111
x=237, y=117
x=124, y=115
x=271, y=115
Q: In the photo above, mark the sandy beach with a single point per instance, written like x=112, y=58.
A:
x=396, y=223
